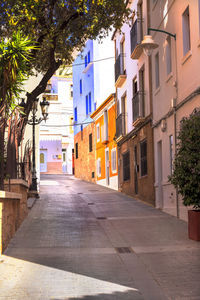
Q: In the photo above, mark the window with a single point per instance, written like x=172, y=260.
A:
x=90, y=103
x=122, y=52
x=42, y=158
x=186, y=31
x=168, y=55
x=143, y=158
x=76, y=145
x=99, y=167
x=90, y=142
x=171, y=153
x=86, y=104
x=113, y=160
x=98, y=133
x=157, y=75
x=126, y=166
x=88, y=57
x=85, y=61
x=75, y=114
x=81, y=90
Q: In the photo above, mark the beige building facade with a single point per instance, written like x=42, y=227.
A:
x=175, y=88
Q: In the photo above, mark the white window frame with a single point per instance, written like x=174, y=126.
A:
x=186, y=31
x=168, y=56
x=114, y=152
x=99, y=167
x=98, y=132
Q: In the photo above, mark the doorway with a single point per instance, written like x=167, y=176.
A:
x=135, y=170
x=160, y=175
x=107, y=166
x=43, y=160
x=64, y=160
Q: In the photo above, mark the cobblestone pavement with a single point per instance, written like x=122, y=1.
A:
x=83, y=241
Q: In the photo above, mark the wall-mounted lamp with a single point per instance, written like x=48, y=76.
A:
x=148, y=44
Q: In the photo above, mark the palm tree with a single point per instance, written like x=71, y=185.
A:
x=14, y=69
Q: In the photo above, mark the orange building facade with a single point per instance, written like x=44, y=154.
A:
x=106, y=147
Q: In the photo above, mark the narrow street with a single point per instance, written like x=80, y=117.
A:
x=83, y=241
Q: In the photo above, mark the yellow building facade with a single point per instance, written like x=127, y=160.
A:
x=105, y=145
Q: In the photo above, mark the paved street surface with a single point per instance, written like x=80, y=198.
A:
x=82, y=241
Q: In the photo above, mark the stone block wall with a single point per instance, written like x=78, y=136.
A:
x=9, y=217
x=21, y=187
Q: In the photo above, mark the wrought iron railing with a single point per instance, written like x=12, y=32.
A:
x=138, y=105
x=119, y=66
x=121, y=125
x=134, y=36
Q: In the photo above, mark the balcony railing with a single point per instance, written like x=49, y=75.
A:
x=119, y=66
x=138, y=105
x=134, y=36
x=121, y=125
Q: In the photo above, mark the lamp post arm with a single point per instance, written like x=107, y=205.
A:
x=163, y=31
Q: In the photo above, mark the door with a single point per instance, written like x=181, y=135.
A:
x=160, y=176
x=135, y=170
x=64, y=160
x=43, y=160
x=107, y=167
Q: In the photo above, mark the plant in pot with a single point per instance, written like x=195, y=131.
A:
x=186, y=171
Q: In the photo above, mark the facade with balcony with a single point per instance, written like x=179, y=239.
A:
x=133, y=121
x=93, y=82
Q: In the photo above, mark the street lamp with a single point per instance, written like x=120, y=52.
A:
x=148, y=44
x=35, y=121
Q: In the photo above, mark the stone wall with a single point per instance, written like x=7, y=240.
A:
x=9, y=217
x=85, y=165
x=21, y=187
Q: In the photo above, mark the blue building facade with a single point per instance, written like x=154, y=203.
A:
x=83, y=87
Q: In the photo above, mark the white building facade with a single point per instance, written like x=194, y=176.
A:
x=56, y=135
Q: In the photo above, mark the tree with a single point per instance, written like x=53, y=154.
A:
x=59, y=27
x=14, y=69
x=186, y=174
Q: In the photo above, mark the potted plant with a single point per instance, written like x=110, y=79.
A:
x=186, y=171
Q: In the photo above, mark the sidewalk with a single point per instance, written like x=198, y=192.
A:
x=83, y=241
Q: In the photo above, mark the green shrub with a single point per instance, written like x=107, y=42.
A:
x=186, y=172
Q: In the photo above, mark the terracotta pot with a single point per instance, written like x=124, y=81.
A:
x=194, y=225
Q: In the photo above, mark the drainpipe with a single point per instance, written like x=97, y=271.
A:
x=151, y=98
x=175, y=127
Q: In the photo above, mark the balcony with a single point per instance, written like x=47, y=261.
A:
x=135, y=37
x=120, y=126
x=138, y=108
x=120, y=71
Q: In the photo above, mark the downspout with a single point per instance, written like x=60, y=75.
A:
x=151, y=97
x=175, y=127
